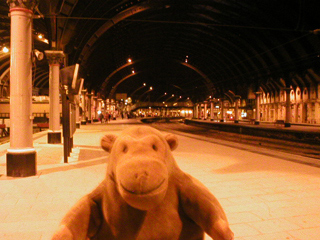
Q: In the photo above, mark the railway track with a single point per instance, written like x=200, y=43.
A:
x=292, y=147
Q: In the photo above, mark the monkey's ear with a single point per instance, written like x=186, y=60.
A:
x=107, y=142
x=172, y=140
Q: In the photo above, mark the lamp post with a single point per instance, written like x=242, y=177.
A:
x=150, y=89
x=161, y=96
x=172, y=96
x=143, y=85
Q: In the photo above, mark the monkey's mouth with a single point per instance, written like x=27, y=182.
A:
x=143, y=189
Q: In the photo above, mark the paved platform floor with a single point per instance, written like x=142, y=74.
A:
x=265, y=197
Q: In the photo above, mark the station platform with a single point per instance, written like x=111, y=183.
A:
x=264, y=196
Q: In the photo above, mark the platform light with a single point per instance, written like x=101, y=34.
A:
x=42, y=38
x=129, y=60
x=39, y=55
x=5, y=49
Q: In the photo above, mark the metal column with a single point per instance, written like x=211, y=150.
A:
x=288, y=108
x=21, y=156
x=257, y=119
x=54, y=59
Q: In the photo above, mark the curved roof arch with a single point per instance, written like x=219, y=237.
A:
x=234, y=44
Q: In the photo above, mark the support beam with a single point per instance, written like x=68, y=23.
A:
x=257, y=119
x=205, y=114
x=236, y=109
x=84, y=106
x=288, y=108
x=21, y=156
x=211, y=110
x=89, y=107
x=54, y=59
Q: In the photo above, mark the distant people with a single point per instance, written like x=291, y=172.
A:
x=101, y=117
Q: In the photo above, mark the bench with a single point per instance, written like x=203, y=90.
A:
x=42, y=125
x=4, y=132
x=279, y=123
x=252, y=121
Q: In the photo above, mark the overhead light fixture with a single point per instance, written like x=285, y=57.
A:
x=5, y=49
x=42, y=38
x=39, y=55
x=129, y=60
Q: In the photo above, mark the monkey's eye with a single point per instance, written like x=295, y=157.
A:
x=154, y=147
x=125, y=149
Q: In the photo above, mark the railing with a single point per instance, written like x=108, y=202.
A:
x=159, y=105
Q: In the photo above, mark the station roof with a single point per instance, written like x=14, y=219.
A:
x=188, y=48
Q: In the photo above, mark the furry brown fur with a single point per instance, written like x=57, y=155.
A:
x=145, y=196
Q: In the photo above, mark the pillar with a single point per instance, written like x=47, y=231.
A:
x=317, y=113
x=257, y=119
x=288, y=108
x=21, y=155
x=99, y=107
x=205, y=114
x=89, y=107
x=211, y=110
x=222, y=113
x=54, y=59
x=236, y=109
x=84, y=107
x=77, y=110
x=198, y=110
x=104, y=103
x=95, y=108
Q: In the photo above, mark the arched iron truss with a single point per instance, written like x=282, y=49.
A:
x=203, y=47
